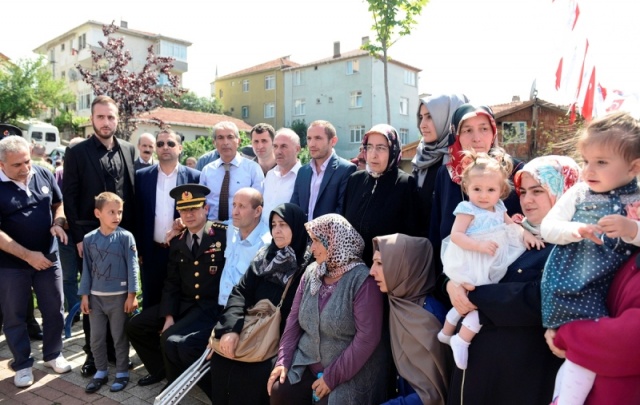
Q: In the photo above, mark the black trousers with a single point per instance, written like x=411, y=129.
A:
x=153, y=272
x=238, y=383
x=170, y=353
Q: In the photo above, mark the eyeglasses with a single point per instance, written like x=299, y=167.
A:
x=170, y=144
x=377, y=148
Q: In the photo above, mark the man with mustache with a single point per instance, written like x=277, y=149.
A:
x=146, y=146
x=100, y=163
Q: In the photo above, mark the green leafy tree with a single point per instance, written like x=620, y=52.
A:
x=190, y=101
x=196, y=148
x=392, y=19
x=28, y=88
x=134, y=92
x=300, y=128
x=66, y=121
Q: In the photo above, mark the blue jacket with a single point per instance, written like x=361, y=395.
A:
x=332, y=188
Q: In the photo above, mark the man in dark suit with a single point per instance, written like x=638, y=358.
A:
x=320, y=184
x=100, y=163
x=146, y=146
x=189, y=307
x=155, y=212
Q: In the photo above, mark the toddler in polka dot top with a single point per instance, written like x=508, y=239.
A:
x=595, y=228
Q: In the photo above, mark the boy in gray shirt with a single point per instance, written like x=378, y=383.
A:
x=108, y=287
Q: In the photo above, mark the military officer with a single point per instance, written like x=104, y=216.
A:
x=189, y=306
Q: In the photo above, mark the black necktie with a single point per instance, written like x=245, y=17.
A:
x=223, y=204
x=195, y=245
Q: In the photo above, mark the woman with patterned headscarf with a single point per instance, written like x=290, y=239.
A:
x=330, y=346
x=509, y=362
x=381, y=199
x=434, y=123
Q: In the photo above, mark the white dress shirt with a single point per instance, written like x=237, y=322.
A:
x=165, y=205
x=278, y=189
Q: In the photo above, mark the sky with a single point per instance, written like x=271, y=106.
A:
x=491, y=50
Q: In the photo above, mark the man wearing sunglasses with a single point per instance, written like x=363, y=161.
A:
x=155, y=212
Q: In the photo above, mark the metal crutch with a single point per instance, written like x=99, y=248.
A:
x=181, y=386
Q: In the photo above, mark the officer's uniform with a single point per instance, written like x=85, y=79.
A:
x=190, y=295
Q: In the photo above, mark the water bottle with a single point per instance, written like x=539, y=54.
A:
x=314, y=397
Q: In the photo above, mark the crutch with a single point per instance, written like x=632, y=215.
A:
x=181, y=386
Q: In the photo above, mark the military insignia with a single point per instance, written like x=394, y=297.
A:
x=186, y=196
x=218, y=244
x=211, y=231
x=213, y=270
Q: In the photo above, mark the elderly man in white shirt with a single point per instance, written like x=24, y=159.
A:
x=244, y=239
x=279, y=182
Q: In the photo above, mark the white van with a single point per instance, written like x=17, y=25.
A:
x=40, y=132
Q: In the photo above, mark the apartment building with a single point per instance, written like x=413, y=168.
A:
x=347, y=89
x=255, y=94
x=74, y=47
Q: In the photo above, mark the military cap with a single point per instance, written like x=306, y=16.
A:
x=189, y=196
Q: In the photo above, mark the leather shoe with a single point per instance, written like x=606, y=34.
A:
x=88, y=368
x=95, y=384
x=150, y=379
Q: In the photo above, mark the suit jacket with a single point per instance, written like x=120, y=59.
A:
x=195, y=280
x=145, y=187
x=332, y=188
x=138, y=165
x=84, y=179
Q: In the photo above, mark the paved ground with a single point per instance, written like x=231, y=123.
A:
x=68, y=389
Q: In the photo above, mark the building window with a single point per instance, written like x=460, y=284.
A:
x=269, y=110
x=357, y=133
x=82, y=41
x=403, y=133
x=173, y=50
x=269, y=82
x=353, y=66
x=299, y=107
x=84, y=101
x=356, y=99
x=297, y=78
x=245, y=111
x=63, y=75
x=163, y=80
x=245, y=85
x=404, y=106
x=62, y=47
x=410, y=78
x=220, y=93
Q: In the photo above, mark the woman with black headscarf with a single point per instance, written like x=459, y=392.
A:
x=236, y=382
x=381, y=199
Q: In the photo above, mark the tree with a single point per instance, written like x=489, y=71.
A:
x=66, y=121
x=134, y=92
x=390, y=16
x=300, y=128
x=27, y=88
x=190, y=101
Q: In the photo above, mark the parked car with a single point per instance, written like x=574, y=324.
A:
x=57, y=154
